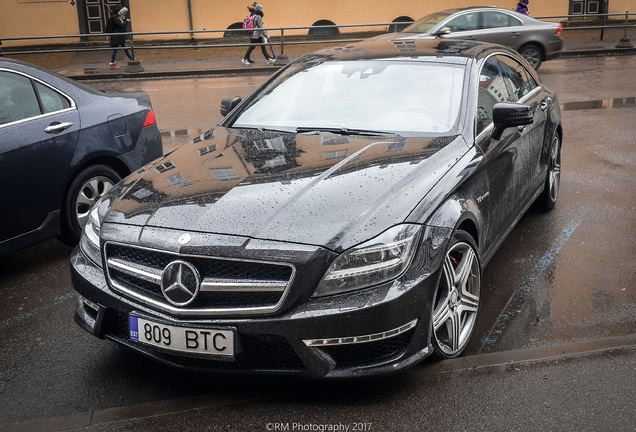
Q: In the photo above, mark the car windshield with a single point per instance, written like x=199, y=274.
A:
x=384, y=96
x=426, y=24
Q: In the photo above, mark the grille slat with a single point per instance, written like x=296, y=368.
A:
x=227, y=285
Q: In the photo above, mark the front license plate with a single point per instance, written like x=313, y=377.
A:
x=190, y=340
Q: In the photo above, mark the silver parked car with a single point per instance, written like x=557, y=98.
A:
x=535, y=40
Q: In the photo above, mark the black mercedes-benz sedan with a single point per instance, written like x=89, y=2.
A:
x=336, y=223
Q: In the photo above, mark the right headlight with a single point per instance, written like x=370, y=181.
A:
x=89, y=243
x=374, y=262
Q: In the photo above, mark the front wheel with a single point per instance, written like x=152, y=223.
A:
x=86, y=189
x=456, y=301
x=548, y=198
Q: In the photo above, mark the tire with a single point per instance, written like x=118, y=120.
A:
x=548, y=199
x=533, y=54
x=457, y=297
x=85, y=190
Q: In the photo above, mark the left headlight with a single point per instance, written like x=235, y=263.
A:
x=374, y=262
x=89, y=243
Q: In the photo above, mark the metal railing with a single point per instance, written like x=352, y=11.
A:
x=288, y=36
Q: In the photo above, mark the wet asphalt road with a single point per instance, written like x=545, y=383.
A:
x=567, y=275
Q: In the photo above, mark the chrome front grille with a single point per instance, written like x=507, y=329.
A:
x=228, y=286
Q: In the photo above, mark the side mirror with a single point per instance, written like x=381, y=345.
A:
x=505, y=115
x=228, y=105
x=443, y=31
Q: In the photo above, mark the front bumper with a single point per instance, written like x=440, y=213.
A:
x=374, y=331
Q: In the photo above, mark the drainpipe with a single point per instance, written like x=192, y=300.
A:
x=190, y=16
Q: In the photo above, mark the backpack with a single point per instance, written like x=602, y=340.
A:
x=248, y=23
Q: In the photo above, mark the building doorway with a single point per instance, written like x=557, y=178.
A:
x=93, y=15
x=586, y=7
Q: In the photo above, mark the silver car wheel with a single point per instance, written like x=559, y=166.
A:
x=533, y=55
x=457, y=300
x=90, y=192
x=554, y=173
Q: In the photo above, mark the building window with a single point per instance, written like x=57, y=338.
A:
x=336, y=154
x=177, y=180
x=206, y=150
x=167, y=166
x=276, y=162
x=271, y=144
x=224, y=174
x=395, y=146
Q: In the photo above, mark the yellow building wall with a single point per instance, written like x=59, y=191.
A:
x=28, y=18
x=25, y=18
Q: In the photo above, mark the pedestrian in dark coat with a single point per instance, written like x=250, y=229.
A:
x=117, y=24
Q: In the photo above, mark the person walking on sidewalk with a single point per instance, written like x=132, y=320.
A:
x=522, y=7
x=117, y=24
x=258, y=35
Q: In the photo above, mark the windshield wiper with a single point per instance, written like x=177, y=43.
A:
x=342, y=131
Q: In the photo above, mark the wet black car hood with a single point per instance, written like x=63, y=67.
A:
x=320, y=189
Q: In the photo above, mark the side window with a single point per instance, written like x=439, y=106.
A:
x=17, y=98
x=498, y=19
x=518, y=79
x=51, y=100
x=465, y=22
x=492, y=90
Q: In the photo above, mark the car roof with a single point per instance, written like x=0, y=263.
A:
x=467, y=8
x=407, y=46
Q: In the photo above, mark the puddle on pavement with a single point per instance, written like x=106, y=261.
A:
x=617, y=103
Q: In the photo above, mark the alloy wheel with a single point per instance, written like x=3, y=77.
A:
x=457, y=300
x=554, y=173
x=90, y=192
x=533, y=55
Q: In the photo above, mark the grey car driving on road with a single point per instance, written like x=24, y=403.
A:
x=535, y=40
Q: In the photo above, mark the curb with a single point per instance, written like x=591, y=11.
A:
x=173, y=74
x=598, y=52
x=271, y=68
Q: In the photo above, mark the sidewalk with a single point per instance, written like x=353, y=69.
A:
x=197, y=61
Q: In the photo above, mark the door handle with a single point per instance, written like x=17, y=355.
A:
x=514, y=34
x=58, y=127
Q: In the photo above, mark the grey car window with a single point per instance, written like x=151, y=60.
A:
x=17, y=98
x=426, y=24
x=465, y=22
x=51, y=100
x=498, y=20
x=492, y=90
x=518, y=79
